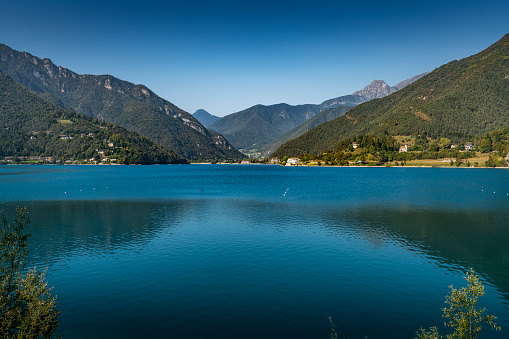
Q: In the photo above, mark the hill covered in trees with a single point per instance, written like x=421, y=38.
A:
x=134, y=107
x=458, y=101
x=31, y=127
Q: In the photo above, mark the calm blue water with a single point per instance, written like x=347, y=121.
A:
x=226, y=251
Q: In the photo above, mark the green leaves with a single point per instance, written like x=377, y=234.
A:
x=27, y=308
x=462, y=312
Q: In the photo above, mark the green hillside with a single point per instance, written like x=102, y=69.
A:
x=320, y=118
x=105, y=97
x=33, y=127
x=458, y=101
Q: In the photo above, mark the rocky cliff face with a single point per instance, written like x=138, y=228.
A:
x=376, y=89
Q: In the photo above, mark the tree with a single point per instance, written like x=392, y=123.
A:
x=462, y=313
x=27, y=308
x=485, y=146
x=444, y=143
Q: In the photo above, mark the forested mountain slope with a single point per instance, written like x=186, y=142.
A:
x=105, y=97
x=31, y=126
x=458, y=100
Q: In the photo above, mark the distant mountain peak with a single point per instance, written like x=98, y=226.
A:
x=204, y=117
x=376, y=89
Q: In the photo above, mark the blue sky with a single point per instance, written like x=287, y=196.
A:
x=225, y=56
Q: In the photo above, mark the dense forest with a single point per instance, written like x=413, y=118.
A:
x=34, y=129
x=457, y=101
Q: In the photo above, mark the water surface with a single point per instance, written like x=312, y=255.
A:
x=220, y=251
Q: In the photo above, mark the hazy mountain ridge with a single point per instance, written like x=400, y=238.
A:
x=204, y=117
x=134, y=107
x=34, y=127
x=320, y=118
x=458, y=100
x=254, y=127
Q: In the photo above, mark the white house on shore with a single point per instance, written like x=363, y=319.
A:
x=292, y=162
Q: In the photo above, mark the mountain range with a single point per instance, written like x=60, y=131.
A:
x=458, y=100
x=34, y=127
x=320, y=118
x=105, y=97
x=259, y=130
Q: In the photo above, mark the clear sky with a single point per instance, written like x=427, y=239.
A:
x=225, y=56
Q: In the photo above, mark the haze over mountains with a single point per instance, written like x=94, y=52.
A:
x=134, y=107
x=258, y=130
x=458, y=100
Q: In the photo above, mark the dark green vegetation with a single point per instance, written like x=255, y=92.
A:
x=27, y=306
x=458, y=101
x=320, y=118
x=462, y=312
x=105, y=97
x=204, y=117
x=33, y=127
x=380, y=150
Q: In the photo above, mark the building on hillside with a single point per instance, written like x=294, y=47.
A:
x=403, y=148
x=292, y=162
x=355, y=145
x=469, y=146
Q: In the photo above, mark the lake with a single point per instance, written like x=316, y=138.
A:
x=260, y=251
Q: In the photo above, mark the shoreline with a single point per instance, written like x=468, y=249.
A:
x=258, y=164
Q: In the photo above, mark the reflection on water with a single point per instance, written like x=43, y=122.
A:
x=375, y=251
x=96, y=227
